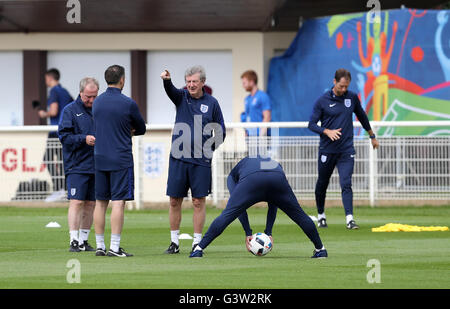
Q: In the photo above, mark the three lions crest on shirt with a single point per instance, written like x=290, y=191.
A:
x=348, y=102
x=203, y=108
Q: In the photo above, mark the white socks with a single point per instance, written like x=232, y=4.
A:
x=349, y=218
x=174, y=237
x=100, y=239
x=197, y=238
x=74, y=236
x=83, y=235
x=115, y=242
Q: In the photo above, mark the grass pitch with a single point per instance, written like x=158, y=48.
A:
x=32, y=256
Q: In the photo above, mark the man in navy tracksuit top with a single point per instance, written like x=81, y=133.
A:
x=58, y=98
x=334, y=109
x=117, y=119
x=76, y=133
x=255, y=180
x=199, y=130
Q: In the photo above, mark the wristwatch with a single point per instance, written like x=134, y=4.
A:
x=372, y=136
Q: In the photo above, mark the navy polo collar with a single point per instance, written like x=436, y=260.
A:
x=56, y=87
x=113, y=90
x=333, y=95
x=78, y=100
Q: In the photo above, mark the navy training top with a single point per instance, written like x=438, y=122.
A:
x=115, y=115
x=75, y=124
x=336, y=112
x=195, y=114
x=61, y=96
x=248, y=166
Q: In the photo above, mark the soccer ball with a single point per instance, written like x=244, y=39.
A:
x=260, y=244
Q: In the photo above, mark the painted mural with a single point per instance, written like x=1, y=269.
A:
x=399, y=61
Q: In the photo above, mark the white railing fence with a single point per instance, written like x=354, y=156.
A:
x=404, y=168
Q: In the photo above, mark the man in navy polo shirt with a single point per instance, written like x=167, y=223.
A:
x=117, y=119
x=199, y=130
x=76, y=133
x=334, y=109
x=58, y=98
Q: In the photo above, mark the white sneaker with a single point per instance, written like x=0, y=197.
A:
x=56, y=196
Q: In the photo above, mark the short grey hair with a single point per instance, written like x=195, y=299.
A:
x=87, y=81
x=194, y=70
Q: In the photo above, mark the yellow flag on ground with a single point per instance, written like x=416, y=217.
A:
x=397, y=227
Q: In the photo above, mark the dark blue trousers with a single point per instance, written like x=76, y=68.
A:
x=271, y=187
x=326, y=164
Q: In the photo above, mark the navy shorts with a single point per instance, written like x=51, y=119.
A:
x=115, y=185
x=81, y=187
x=184, y=176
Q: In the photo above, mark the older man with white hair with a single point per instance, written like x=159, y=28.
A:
x=199, y=130
x=76, y=133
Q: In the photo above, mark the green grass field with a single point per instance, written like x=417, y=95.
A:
x=32, y=256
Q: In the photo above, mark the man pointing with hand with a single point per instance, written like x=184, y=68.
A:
x=334, y=109
x=198, y=121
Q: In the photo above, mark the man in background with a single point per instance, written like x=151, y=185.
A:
x=76, y=133
x=257, y=104
x=117, y=119
x=334, y=109
x=58, y=98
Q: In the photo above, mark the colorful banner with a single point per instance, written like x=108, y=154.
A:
x=400, y=66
